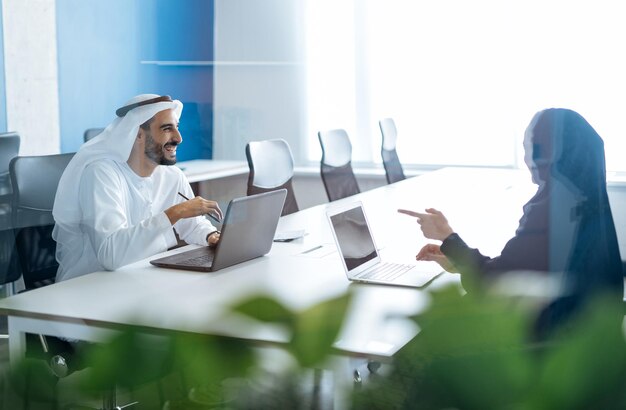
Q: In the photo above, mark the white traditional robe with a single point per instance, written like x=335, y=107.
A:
x=123, y=219
x=107, y=216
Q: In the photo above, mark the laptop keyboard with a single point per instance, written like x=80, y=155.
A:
x=202, y=260
x=386, y=271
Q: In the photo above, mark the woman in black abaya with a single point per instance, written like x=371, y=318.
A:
x=567, y=227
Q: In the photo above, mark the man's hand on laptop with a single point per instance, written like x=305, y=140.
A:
x=194, y=207
x=213, y=238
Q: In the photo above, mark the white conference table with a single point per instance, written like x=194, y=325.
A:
x=484, y=205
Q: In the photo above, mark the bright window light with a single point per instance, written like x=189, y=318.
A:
x=331, y=86
x=463, y=79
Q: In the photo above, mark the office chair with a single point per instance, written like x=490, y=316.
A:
x=393, y=168
x=35, y=180
x=91, y=132
x=9, y=148
x=336, y=169
x=9, y=272
x=271, y=168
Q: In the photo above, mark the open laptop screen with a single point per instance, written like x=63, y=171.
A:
x=353, y=237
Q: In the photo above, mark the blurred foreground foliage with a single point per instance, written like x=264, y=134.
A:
x=472, y=352
x=210, y=371
x=477, y=352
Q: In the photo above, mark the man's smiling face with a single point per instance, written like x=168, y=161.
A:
x=162, y=138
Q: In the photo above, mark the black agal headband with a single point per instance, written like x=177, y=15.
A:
x=122, y=111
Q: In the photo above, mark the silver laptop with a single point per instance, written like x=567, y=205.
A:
x=360, y=257
x=247, y=232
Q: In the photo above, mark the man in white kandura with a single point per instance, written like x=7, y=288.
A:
x=118, y=198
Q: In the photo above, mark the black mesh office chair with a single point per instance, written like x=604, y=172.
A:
x=91, y=133
x=9, y=272
x=35, y=180
x=393, y=168
x=336, y=168
x=9, y=148
x=271, y=168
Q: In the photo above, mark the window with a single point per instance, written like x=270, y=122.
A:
x=463, y=79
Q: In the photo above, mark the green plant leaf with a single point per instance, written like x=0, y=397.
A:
x=586, y=365
x=130, y=359
x=316, y=330
x=265, y=309
x=470, y=353
x=208, y=359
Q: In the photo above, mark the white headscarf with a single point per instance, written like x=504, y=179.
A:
x=116, y=143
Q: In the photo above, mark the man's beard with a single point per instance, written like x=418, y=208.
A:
x=155, y=152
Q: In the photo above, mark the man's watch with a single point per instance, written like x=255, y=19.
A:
x=212, y=233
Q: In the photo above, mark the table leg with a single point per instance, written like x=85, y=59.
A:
x=17, y=341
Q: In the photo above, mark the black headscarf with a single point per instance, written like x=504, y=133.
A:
x=568, y=152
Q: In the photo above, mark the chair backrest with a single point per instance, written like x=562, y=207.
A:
x=271, y=168
x=336, y=168
x=91, y=132
x=393, y=167
x=9, y=149
x=35, y=180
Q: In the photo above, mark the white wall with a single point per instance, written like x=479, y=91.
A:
x=30, y=58
x=261, y=97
